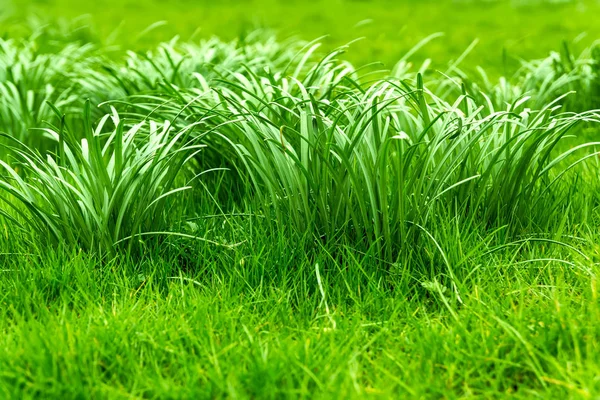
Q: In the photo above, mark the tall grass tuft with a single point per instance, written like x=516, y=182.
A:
x=30, y=79
x=109, y=187
x=544, y=80
x=373, y=163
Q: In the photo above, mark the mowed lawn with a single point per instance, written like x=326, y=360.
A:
x=388, y=29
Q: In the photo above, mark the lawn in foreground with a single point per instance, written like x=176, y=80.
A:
x=74, y=327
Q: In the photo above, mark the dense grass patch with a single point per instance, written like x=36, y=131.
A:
x=263, y=218
x=73, y=327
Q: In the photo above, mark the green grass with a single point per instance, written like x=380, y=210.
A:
x=262, y=218
x=101, y=190
x=524, y=28
x=73, y=327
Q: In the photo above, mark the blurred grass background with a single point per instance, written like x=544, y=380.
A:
x=521, y=28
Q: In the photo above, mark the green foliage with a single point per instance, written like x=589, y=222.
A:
x=253, y=323
x=526, y=29
x=332, y=156
x=101, y=190
x=30, y=79
x=261, y=218
x=183, y=65
x=324, y=147
x=545, y=80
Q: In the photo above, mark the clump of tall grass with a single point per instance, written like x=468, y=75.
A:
x=330, y=156
x=543, y=80
x=186, y=65
x=105, y=190
x=321, y=75
x=30, y=79
x=322, y=149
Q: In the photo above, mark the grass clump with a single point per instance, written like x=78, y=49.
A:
x=373, y=162
x=549, y=78
x=30, y=79
x=103, y=189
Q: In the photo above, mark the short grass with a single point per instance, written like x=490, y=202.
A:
x=256, y=322
x=524, y=28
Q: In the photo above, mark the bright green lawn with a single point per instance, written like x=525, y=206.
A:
x=527, y=29
x=222, y=328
